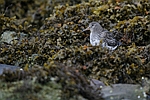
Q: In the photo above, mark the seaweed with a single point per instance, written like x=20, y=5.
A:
x=50, y=44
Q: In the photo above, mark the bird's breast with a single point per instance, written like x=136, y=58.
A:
x=94, y=40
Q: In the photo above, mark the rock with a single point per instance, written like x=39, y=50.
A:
x=8, y=67
x=124, y=92
x=120, y=91
x=9, y=36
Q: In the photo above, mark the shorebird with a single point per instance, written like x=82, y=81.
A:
x=102, y=37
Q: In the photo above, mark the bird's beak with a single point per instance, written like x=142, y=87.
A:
x=88, y=28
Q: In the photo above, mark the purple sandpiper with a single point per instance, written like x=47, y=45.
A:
x=101, y=36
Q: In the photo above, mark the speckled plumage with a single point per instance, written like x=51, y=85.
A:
x=100, y=36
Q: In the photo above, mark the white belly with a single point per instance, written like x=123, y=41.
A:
x=94, y=42
x=109, y=47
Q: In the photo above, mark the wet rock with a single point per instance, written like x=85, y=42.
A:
x=124, y=91
x=96, y=84
x=120, y=91
x=4, y=67
x=8, y=36
x=11, y=36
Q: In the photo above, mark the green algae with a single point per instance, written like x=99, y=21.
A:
x=23, y=90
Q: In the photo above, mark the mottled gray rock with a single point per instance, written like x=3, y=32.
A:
x=9, y=36
x=124, y=92
x=120, y=91
x=8, y=67
x=96, y=84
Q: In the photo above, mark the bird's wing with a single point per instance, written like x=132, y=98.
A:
x=110, y=39
x=110, y=35
x=111, y=42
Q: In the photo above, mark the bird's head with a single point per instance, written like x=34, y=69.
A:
x=94, y=26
